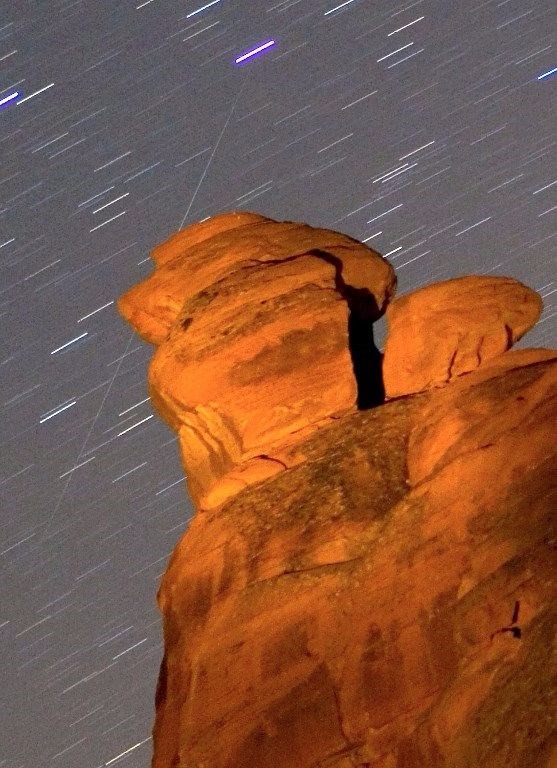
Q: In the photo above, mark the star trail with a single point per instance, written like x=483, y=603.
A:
x=255, y=51
x=421, y=127
x=547, y=74
x=8, y=99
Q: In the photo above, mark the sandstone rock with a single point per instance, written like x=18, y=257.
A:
x=153, y=305
x=236, y=305
x=381, y=591
x=447, y=329
x=339, y=615
x=198, y=256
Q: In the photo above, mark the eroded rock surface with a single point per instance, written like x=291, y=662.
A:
x=441, y=331
x=242, y=301
x=386, y=599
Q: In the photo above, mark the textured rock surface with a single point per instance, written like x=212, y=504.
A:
x=387, y=599
x=444, y=330
x=240, y=302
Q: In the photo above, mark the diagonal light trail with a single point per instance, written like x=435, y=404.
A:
x=113, y=379
x=224, y=127
x=82, y=450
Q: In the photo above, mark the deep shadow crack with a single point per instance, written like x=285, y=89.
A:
x=367, y=360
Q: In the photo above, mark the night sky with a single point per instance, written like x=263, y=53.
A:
x=426, y=129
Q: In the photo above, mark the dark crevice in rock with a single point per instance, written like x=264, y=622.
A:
x=451, y=363
x=272, y=458
x=160, y=694
x=295, y=571
x=509, y=333
x=479, y=350
x=367, y=362
x=366, y=358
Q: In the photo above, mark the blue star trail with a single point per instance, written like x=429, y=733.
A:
x=548, y=74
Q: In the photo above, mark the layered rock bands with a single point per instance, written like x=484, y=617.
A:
x=367, y=581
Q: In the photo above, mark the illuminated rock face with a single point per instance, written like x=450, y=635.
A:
x=386, y=599
x=447, y=329
x=260, y=327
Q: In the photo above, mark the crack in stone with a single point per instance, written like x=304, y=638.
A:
x=273, y=459
x=306, y=570
x=451, y=363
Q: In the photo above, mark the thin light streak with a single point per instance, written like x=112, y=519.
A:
x=332, y=10
x=385, y=213
x=351, y=104
x=429, y=143
x=111, y=202
x=56, y=412
x=224, y=127
x=67, y=344
x=107, y=221
x=472, y=226
x=77, y=466
x=134, y=406
x=410, y=23
x=127, y=751
x=375, y=234
x=133, y=426
x=94, y=312
x=392, y=53
x=203, y=8
x=249, y=54
x=9, y=97
x=36, y=93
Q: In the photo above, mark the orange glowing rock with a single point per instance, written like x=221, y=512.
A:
x=246, y=302
x=447, y=329
x=365, y=583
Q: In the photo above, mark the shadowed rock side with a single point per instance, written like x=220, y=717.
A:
x=386, y=600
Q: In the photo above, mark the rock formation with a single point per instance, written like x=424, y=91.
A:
x=450, y=328
x=251, y=319
x=367, y=581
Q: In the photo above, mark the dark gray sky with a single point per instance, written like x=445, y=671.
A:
x=425, y=128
